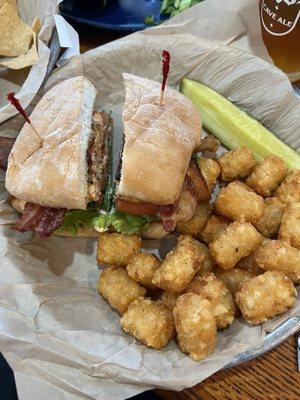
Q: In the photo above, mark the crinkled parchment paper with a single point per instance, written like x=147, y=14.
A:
x=62, y=340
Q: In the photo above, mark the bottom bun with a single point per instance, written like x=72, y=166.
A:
x=19, y=206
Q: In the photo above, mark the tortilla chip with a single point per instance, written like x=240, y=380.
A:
x=13, y=3
x=16, y=36
x=23, y=61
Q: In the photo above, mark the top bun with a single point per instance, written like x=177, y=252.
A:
x=53, y=171
x=159, y=141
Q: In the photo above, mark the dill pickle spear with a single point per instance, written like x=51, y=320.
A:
x=235, y=128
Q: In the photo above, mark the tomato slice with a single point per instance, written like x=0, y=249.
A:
x=138, y=208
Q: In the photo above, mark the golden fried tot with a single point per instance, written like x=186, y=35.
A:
x=154, y=230
x=236, y=164
x=289, y=190
x=238, y=202
x=194, y=226
x=280, y=256
x=180, y=266
x=195, y=326
x=149, y=322
x=208, y=263
x=265, y=296
x=249, y=264
x=210, y=170
x=238, y=240
x=168, y=299
x=267, y=175
x=114, y=248
x=214, y=227
x=269, y=223
x=290, y=226
x=233, y=278
x=142, y=267
x=118, y=288
x=214, y=290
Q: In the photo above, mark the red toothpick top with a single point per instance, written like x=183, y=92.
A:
x=15, y=102
x=165, y=71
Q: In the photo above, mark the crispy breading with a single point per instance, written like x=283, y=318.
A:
x=194, y=226
x=267, y=175
x=114, y=248
x=238, y=202
x=214, y=290
x=210, y=170
x=149, y=322
x=236, y=164
x=290, y=226
x=214, y=227
x=265, y=296
x=118, y=288
x=195, y=326
x=168, y=299
x=180, y=266
x=141, y=268
x=238, y=240
x=289, y=190
x=280, y=256
x=233, y=278
x=269, y=223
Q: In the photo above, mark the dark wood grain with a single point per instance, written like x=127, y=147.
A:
x=273, y=376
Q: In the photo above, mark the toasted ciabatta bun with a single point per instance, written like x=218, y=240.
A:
x=159, y=142
x=19, y=206
x=52, y=170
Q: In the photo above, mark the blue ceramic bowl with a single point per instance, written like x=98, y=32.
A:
x=122, y=15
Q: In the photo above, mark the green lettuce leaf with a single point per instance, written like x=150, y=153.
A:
x=76, y=218
x=122, y=222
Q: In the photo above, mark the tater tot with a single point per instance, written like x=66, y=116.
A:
x=214, y=290
x=236, y=164
x=195, y=326
x=290, y=227
x=249, y=264
x=141, y=268
x=289, y=190
x=265, y=296
x=149, y=322
x=233, y=278
x=118, y=288
x=238, y=240
x=267, y=175
x=114, y=248
x=210, y=170
x=194, y=226
x=269, y=223
x=214, y=227
x=168, y=299
x=208, y=263
x=154, y=230
x=180, y=266
x=238, y=202
x=280, y=256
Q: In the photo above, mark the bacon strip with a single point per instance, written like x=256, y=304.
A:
x=167, y=215
x=42, y=220
x=195, y=182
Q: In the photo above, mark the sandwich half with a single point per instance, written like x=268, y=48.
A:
x=158, y=183
x=57, y=178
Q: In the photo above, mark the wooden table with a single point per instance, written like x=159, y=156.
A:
x=273, y=376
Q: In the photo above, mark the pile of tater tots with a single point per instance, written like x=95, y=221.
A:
x=238, y=257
